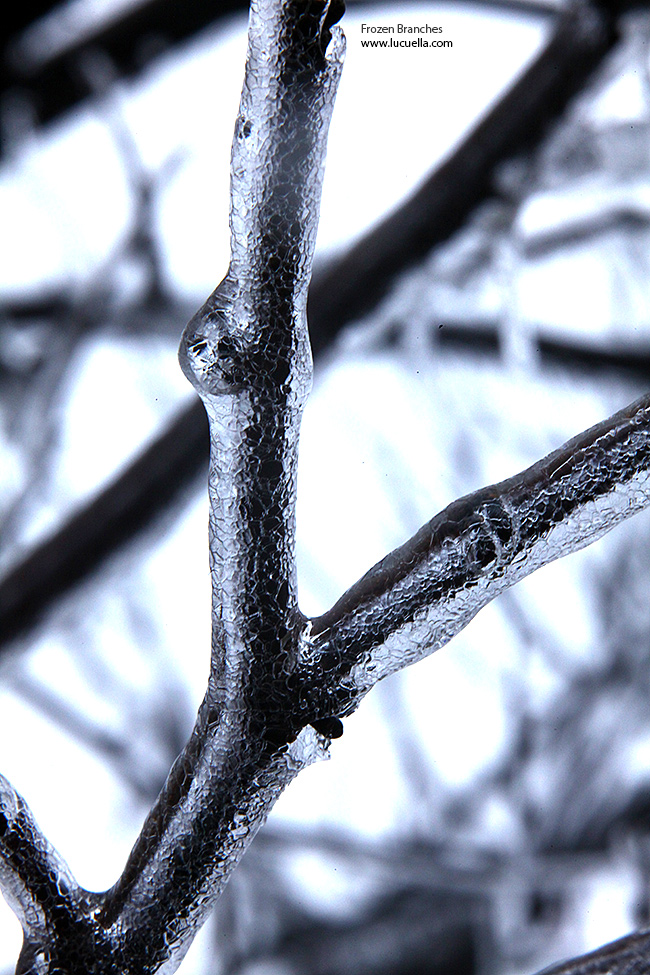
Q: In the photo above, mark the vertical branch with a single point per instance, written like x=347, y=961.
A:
x=247, y=350
x=247, y=353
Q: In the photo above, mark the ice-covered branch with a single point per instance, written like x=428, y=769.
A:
x=247, y=353
x=277, y=681
x=627, y=956
x=422, y=594
x=34, y=880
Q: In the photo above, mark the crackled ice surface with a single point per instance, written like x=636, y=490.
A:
x=247, y=353
x=269, y=670
x=419, y=596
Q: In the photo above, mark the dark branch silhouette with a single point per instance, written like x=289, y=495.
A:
x=137, y=496
x=279, y=682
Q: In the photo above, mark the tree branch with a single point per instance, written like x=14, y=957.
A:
x=35, y=881
x=119, y=511
x=247, y=352
x=276, y=677
x=418, y=597
x=354, y=282
x=54, y=81
x=337, y=294
x=627, y=956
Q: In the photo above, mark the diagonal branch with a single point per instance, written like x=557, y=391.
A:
x=35, y=881
x=627, y=956
x=418, y=597
x=118, y=512
x=338, y=293
x=354, y=282
x=50, y=75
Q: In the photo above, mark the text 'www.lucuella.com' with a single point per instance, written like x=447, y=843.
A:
x=403, y=35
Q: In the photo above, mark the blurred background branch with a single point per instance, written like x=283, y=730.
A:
x=478, y=323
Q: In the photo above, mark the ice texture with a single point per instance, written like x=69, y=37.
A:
x=247, y=353
x=279, y=683
x=422, y=594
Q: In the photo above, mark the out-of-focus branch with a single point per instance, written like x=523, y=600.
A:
x=161, y=472
x=109, y=520
x=352, y=283
x=122, y=752
x=50, y=73
x=247, y=352
x=418, y=597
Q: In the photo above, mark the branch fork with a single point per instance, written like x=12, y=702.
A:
x=279, y=682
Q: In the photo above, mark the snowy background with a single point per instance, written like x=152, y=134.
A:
x=494, y=800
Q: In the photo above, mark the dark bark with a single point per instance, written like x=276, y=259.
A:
x=110, y=520
x=57, y=84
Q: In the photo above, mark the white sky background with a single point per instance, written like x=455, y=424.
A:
x=64, y=206
x=398, y=112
